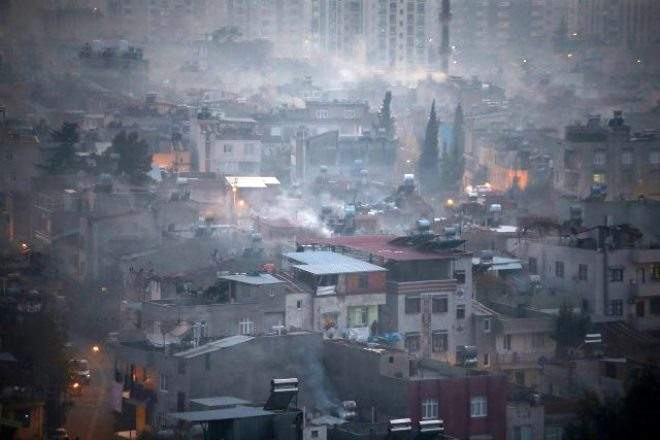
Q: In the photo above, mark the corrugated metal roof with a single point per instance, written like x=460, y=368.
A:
x=261, y=279
x=338, y=268
x=501, y=263
x=321, y=262
x=251, y=181
x=213, y=346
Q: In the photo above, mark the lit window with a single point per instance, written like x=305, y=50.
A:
x=430, y=408
x=599, y=178
x=478, y=406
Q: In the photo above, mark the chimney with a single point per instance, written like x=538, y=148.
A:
x=445, y=50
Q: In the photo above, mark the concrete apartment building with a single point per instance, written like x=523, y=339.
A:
x=337, y=28
x=234, y=305
x=609, y=159
x=512, y=340
x=163, y=380
x=387, y=383
x=223, y=145
x=402, y=35
x=429, y=289
x=340, y=296
x=616, y=277
x=629, y=23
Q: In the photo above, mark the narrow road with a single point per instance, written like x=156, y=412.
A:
x=90, y=417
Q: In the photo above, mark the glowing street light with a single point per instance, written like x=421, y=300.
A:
x=96, y=349
x=450, y=202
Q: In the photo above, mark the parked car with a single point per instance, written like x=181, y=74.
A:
x=80, y=368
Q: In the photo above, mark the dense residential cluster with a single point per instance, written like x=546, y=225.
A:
x=329, y=219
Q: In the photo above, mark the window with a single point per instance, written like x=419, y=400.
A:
x=627, y=157
x=655, y=306
x=248, y=149
x=459, y=276
x=349, y=114
x=180, y=401
x=538, y=340
x=478, y=406
x=519, y=378
x=413, y=304
x=9, y=156
x=315, y=433
x=610, y=370
x=654, y=157
x=182, y=366
x=363, y=281
x=533, y=266
x=439, y=341
x=321, y=114
x=361, y=316
x=486, y=325
x=615, y=307
x=639, y=309
x=486, y=360
x=227, y=148
x=430, y=408
x=559, y=269
x=616, y=274
x=162, y=420
x=522, y=432
x=440, y=304
x=507, y=342
x=207, y=361
x=299, y=304
x=655, y=272
x=164, y=386
x=582, y=272
x=412, y=341
x=599, y=158
x=599, y=178
x=460, y=311
x=246, y=326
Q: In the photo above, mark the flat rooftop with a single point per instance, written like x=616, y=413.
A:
x=383, y=246
x=236, y=412
x=257, y=279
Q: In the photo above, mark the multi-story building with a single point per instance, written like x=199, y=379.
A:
x=20, y=151
x=285, y=23
x=608, y=159
x=402, y=35
x=337, y=28
x=612, y=270
x=339, y=296
x=630, y=23
x=223, y=145
x=429, y=289
x=386, y=383
x=163, y=380
x=512, y=340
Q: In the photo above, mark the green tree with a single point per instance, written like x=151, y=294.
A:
x=635, y=416
x=385, y=118
x=571, y=328
x=428, y=159
x=62, y=158
x=133, y=157
x=453, y=162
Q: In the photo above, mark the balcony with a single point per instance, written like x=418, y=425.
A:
x=410, y=287
x=523, y=358
x=649, y=288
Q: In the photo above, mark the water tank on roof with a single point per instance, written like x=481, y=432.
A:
x=495, y=207
x=450, y=232
x=349, y=210
x=255, y=236
x=324, y=169
x=423, y=224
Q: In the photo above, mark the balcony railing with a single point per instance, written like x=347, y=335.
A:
x=523, y=358
x=408, y=287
